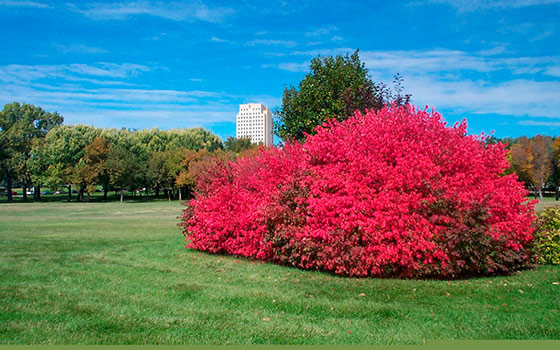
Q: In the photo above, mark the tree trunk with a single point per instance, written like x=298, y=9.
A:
x=556, y=197
x=37, y=193
x=540, y=194
x=88, y=197
x=146, y=192
x=69, y=193
x=169, y=195
x=9, y=186
x=157, y=191
x=180, y=196
x=24, y=187
x=105, y=190
x=122, y=194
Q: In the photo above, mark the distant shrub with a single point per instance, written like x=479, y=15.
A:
x=388, y=193
x=547, y=236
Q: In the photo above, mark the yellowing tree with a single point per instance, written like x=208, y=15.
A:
x=532, y=161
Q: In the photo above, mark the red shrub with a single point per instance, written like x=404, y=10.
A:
x=389, y=193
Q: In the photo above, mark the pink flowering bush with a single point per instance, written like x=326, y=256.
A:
x=389, y=193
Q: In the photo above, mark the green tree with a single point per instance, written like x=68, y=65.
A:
x=238, y=145
x=92, y=168
x=64, y=149
x=335, y=88
x=193, y=139
x=83, y=176
x=173, y=164
x=20, y=124
x=121, y=166
x=38, y=166
x=555, y=176
x=163, y=168
x=95, y=159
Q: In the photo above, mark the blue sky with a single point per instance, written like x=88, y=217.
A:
x=170, y=64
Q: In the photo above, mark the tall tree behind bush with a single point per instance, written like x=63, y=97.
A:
x=238, y=145
x=335, y=87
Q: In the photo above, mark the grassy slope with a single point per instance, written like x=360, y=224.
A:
x=109, y=273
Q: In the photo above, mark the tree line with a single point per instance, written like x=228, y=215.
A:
x=536, y=160
x=38, y=151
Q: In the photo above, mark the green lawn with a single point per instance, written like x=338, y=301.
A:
x=547, y=202
x=111, y=273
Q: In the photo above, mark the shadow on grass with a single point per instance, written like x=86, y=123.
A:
x=95, y=198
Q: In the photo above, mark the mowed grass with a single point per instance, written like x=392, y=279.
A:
x=111, y=273
x=547, y=202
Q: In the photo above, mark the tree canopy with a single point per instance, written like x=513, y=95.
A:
x=37, y=150
x=20, y=124
x=334, y=88
x=238, y=145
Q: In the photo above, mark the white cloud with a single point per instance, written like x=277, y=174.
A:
x=440, y=60
x=118, y=107
x=545, y=34
x=319, y=32
x=60, y=88
x=294, y=67
x=114, y=97
x=496, y=50
x=16, y=73
x=267, y=100
x=23, y=4
x=266, y=42
x=554, y=71
x=461, y=81
x=79, y=48
x=324, y=52
x=482, y=83
x=171, y=10
x=539, y=123
x=160, y=117
x=516, y=97
x=110, y=70
x=290, y=66
x=221, y=40
x=475, y=5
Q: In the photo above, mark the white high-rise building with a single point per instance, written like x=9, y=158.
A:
x=254, y=121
